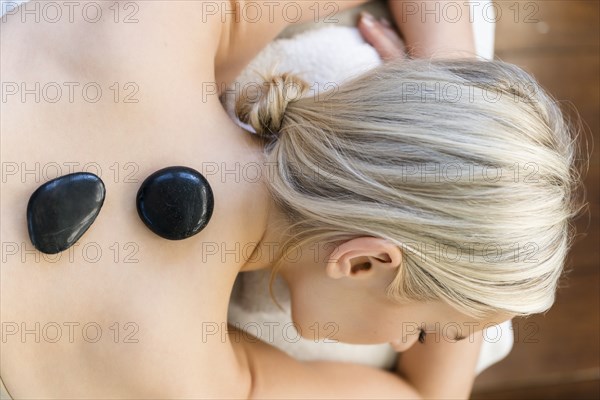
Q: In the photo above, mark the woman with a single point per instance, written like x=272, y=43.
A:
x=141, y=323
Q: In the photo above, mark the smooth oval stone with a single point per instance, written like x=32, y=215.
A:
x=175, y=202
x=61, y=210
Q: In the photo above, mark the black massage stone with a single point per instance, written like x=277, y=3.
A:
x=61, y=210
x=175, y=202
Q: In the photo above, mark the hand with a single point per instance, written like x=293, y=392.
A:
x=382, y=37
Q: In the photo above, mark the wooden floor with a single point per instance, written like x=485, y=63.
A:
x=556, y=355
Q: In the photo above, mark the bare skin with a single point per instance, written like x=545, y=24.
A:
x=168, y=290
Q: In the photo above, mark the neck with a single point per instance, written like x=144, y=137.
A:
x=269, y=247
x=274, y=234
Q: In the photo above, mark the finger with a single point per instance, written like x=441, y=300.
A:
x=384, y=40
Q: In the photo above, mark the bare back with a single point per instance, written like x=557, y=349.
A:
x=123, y=312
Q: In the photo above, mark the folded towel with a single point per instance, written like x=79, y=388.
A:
x=323, y=57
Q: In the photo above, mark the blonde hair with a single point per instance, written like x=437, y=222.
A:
x=380, y=156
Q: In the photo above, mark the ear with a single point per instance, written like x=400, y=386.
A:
x=351, y=257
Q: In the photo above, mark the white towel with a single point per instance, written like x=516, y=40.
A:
x=323, y=57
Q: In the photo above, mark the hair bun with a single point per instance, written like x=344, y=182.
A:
x=263, y=106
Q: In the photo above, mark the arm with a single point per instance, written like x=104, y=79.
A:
x=435, y=28
x=275, y=375
x=440, y=368
x=430, y=29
